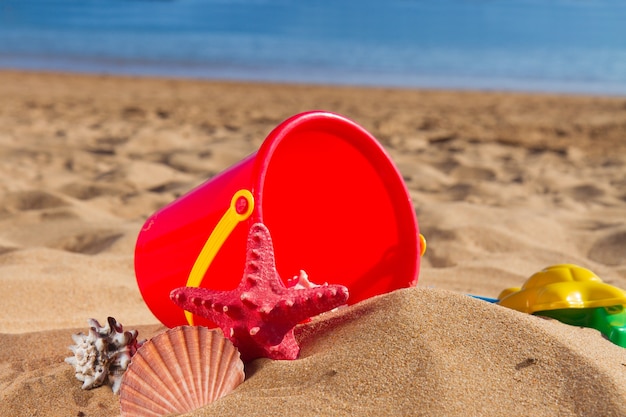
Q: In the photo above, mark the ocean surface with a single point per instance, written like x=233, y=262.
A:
x=571, y=46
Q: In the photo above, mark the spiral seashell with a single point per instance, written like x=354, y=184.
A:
x=102, y=355
x=180, y=370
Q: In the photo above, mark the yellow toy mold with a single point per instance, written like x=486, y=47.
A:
x=559, y=287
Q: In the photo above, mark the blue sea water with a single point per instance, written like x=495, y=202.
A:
x=575, y=46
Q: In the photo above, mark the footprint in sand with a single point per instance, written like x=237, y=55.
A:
x=89, y=243
x=106, y=145
x=58, y=214
x=460, y=191
x=87, y=191
x=32, y=200
x=7, y=249
x=177, y=188
x=470, y=173
x=610, y=249
x=189, y=162
x=585, y=192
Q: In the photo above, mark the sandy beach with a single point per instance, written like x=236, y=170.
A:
x=503, y=184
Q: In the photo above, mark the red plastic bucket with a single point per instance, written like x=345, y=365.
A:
x=335, y=205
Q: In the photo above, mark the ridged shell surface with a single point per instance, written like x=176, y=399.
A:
x=180, y=370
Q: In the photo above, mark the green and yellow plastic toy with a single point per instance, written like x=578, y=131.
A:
x=572, y=295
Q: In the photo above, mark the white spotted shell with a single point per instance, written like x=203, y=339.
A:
x=103, y=354
x=180, y=370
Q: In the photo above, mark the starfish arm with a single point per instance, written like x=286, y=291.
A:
x=216, y=306
x=296, y=306
x=260, y=260
x=287, y=349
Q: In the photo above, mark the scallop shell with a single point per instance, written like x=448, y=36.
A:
x=179, y=371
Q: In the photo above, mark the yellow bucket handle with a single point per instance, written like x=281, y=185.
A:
x=240, y=209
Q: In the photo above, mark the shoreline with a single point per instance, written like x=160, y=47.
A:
x=365, y=81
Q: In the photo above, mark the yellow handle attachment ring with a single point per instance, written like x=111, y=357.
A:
x=422, y=245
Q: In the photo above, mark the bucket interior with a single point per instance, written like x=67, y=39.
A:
x=337, y=208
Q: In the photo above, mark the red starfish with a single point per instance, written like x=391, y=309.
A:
x=260, y=314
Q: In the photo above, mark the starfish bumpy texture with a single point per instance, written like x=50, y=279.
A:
x=260, y=314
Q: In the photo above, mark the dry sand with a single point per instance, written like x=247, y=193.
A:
x=503, y=185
